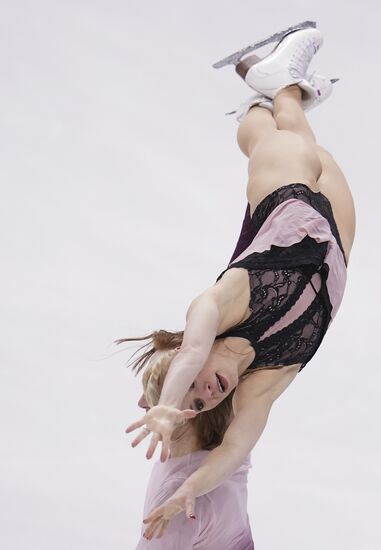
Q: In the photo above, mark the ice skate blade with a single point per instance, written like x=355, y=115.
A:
x=235, y=57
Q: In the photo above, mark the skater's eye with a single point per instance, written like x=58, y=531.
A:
x=198, y=404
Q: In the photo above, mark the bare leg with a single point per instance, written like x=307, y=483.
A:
x=282, y=149
x=278, y=155
x=289, y=114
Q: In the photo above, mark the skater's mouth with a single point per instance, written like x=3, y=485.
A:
x=222, y=383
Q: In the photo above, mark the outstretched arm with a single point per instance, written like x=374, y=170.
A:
x=202, y=322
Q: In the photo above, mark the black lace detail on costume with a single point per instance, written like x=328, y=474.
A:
x=272, y=294
x=307, y=251
x=296, y=343
x=299, y=191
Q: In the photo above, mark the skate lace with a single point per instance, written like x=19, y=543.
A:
x=302, y=57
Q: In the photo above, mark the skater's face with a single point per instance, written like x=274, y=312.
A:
x=213, y=383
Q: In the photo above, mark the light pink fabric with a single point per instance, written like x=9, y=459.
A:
x=288, y=224
x=221, y=515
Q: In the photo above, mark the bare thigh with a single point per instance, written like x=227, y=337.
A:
x=282, y=158
x=285, y=157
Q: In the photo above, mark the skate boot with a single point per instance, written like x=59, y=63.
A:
x=322, y=89
x=285, y=66
x=321, y=85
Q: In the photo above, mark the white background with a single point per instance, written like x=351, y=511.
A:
x=122, y=195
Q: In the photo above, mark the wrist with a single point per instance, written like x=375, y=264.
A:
x=188, y=487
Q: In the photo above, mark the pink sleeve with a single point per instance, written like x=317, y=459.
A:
x=181, y=533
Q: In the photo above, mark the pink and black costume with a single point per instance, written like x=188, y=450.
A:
x=293, y=253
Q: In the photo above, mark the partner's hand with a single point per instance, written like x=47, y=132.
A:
x=157, y=521
x=161, y=421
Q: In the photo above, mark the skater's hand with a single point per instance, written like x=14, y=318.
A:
x=157, y=521
x=161, y=421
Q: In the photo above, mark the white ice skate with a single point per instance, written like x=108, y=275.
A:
x=322, y=88
x=321, y=85
x=285, y=66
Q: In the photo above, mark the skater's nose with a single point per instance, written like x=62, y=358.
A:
x=208, y=389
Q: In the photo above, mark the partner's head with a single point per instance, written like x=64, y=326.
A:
x=154, y=375
x=209, y=426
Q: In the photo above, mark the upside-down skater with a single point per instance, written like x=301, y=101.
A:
x=263, y=320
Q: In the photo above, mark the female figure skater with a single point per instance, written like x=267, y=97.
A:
x=264, y=319
x=222, y=520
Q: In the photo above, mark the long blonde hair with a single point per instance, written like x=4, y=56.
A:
x=160, y=340
x=155, y=358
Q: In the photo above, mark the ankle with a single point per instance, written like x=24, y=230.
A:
x=288, y=99
x=291, y=91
